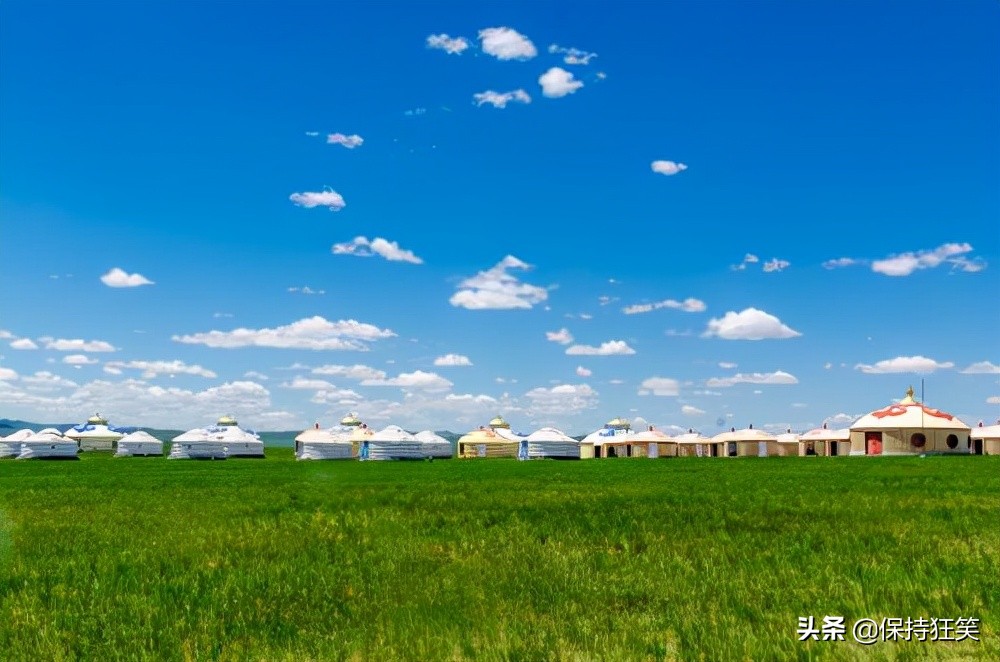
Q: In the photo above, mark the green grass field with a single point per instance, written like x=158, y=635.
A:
x=135, y=558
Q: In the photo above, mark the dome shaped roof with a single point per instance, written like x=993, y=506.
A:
x=824, y=434
x=649, y=435
x=393, y=433
x=480, y=436
x=692, y=437
x=97, y=419
x=498, y=422
x=746, y=434
x=908, y=413
x=350, y=420
x=550, y=434
x=981, y=432
x=618, y=424
x=226, y=421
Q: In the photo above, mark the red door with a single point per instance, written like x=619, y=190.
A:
x=873, y=443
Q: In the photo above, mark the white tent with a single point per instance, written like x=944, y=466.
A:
x=908, y=427
x=48, y=444
x=392, y=443
x=95, y=434
x=223, y=440
x=985, y=440
x=554, y=443
x=435, y=445
x=747, y=442
x=139, y=444
x=10, y=446
x=317, y=444
x=197, y=444
x=786, y=444
x=693, y=443
x=823, y=441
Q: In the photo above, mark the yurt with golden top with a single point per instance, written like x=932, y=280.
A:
x=909, y=427
x=495, y=440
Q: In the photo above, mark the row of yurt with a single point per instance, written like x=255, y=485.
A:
x=352, y=438
x=46, y=444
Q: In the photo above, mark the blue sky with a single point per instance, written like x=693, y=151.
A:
x=709, y=215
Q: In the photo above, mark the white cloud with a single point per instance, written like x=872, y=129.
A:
x=329, y=198
x=562, y=336
x=726, y=365
x=562, y=400
x=993, y=400
x=667, y=167
x=978, y=368
x=341, y=397
x=306, y=384
x=916, y=364
x=585, y=316
x=309, y=333
x=7, y=375
x=662, y=386
x=609, y=348
x=841, y=262
x=77, y=345
x=583, y=372
x=706, y=392
x=312, y=134
x=776, y=265
x=78, y=359
x=557, y=82
x=415, y=112
x=501, y=99
x=306, y=290
x=771, y=378
x=840, y=420
x=689, y=305
x=390, y=250
x=429, y=381
x=905, y=264
x=688, y=410
x=253, y=374
x=151, y=369
x=45, y=381
x=118, y=278
x=452, y=360
x=6, y=335
x=748, y=324
x=495, y=289
x=222, y=315
x=506, y=44
x=23, y=343
x=350, y=142
x=573, y=55
x=451, y=46
x=356, y=372
x=749, y=258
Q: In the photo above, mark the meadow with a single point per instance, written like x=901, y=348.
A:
x=682, y=558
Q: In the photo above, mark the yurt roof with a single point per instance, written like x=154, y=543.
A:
x=824, y=434
x=392, y=433
x=908, y=413
x=692, y=437
x=198, y=434
x=314, y=435
x=507, y=435
x=20, y=435
x=47, y=434
x=92, y=431
x=746, y=434
x=648, y=435
x=787, y=438
x=987, y=432
x=498, y=422
x=140, y=435
x=481, y=435
x=550, y=434
x=429, y=436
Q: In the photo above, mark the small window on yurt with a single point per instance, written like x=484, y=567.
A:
x=918, y=439
x=952, y=441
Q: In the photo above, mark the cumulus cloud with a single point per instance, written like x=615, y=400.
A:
x=841, y=262
x=748, y=324
x=915, y=364
x=46, y=382
x=451, y=46
x=253, y=374
x=7, y=375
x=329, y=199
x=350, y=142
x=748, y=259
x=78, y=359
x=583, y=372
x=562, y=336
x=506, y=44
x=23, y=343
x=390, y=250
x=904, y=264
x=688, y=410
x=609, y=348
x=662, y=386
x=306, y=384
x=357, y=371
x=77, y=345
x=151, y=369
x=727, y=365
x=557, y=82
x=310, y=333
x=418, y=379
x=573, y=55
x=776, y=265
x=495, y=289
x=978, y=368
x=119, y=278
x=501, y=99
x=667, y=167
x=452, y=360
x=993, y=400
x=771, y=378
x=689, y=305
x=562, y=400
x=306, y=290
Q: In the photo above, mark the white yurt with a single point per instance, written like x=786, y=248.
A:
x=95, y=434
x=435, y=446
x=695, y=444
x=10, y=446
x=239, y=442
x=607, y=440
x=823, y=441
x=392, y=443
x=317, y=444
x=139, y=444
x=553, y=443
x=48, y=444
x=785, y=444
x=649, y=443
x=747, y=442
x=197, y=444
x=985, y=440
x=908, y=428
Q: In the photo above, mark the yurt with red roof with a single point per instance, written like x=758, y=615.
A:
x=908, y=428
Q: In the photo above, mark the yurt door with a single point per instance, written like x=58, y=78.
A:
x=873, y=443
x=977, y=446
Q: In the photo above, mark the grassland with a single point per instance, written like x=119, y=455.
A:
x=625, y=559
